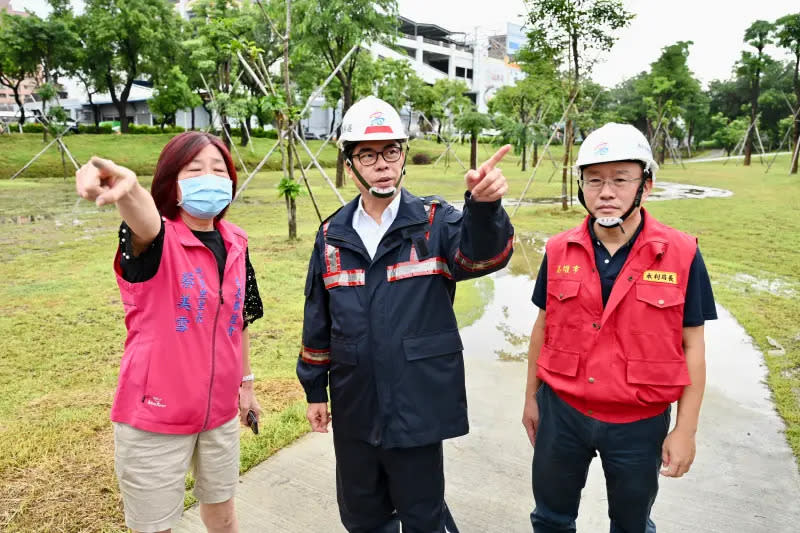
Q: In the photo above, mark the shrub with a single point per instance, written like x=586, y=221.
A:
x=708, y=144
x=91, y=128
x=271, y=134
x=421, y=158
x=32, y=127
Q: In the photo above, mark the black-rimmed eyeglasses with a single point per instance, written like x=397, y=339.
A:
x=369, y=157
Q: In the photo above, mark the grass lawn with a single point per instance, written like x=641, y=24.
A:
x=62, y=329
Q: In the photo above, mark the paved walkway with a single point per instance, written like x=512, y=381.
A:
x=743, y=480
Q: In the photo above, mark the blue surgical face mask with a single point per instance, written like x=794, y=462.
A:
x=205, y=196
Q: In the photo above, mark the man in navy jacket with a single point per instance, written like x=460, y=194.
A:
x=379, y=328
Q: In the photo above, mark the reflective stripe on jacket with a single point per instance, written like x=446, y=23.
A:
x=624, y=362
x=182, y=367
x=382, y=332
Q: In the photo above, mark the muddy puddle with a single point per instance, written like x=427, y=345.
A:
x=503, y=330
x=665, y=190
x=735, y=367
x=776, y=287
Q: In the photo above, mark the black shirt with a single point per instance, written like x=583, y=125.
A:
x=136, y=269
x=698, y=305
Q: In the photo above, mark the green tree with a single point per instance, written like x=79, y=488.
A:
x=528, y=103
x=666, y=91
x=126, y=40
x=331, y=28
x=727, y=134
x=212, y=44
x=626, y=105
x=422, y=98
x=17, y=55
x=757, y=35
x=788, y=36
x=696, y=115
x=172, y=95
x=583, y=27
x=450, y=101
x=473, y=122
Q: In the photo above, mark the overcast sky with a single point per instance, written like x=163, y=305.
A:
x=716, y=27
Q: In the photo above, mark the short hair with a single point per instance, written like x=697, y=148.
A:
x=179, y=152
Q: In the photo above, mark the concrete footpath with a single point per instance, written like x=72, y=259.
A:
x=744, y=478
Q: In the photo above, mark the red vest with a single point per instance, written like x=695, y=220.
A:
x=183, y=355
x=624, y=362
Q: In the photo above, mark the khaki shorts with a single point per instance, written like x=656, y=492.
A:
x=151, y=470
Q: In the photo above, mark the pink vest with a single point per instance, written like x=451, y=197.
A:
x=182, y=365
x=624, y=362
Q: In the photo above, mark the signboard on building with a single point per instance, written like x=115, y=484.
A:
x=515, y=39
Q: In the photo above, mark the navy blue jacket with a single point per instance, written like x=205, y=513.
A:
x=382, y=332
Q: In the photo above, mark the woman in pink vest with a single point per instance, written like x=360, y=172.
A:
x=189, y=292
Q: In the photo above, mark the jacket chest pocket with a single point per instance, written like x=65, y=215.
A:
x=347, y=311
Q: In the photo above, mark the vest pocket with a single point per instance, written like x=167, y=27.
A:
x=657, y=381
x=558, y=361
x=659, y=296
x=563, y=289
x=666, y=373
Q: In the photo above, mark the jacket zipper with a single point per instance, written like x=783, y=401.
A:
x=213, y=357
x=213, y=349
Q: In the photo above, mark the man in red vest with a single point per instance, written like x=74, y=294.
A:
x=619, y=337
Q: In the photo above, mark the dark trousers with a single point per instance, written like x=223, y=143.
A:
x=566, y=442
x=378, y=489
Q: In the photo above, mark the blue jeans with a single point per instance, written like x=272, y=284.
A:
x=566, y=443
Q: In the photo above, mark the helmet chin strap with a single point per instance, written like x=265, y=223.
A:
x=614, y=222
x=384, y=192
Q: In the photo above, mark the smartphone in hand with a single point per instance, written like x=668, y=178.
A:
x=252, y=421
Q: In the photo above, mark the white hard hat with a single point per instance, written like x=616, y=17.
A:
x=371, y=119
x=616, y=142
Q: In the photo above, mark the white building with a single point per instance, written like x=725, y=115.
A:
x=482, y=60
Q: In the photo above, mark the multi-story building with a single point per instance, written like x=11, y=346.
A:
x=483, y=60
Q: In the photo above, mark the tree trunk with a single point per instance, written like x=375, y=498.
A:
x=226, y=130
x=535, y=154
x=123, y=118
x=524, y=154
x=291, y=212
x=565, y=169
x=44, y=121
x=473, y=150
x=439, y=133
x=18, y=100
x=748, y=145
x=193, y=119
x=95, y=113
x=245, y=131
x=333, y=121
